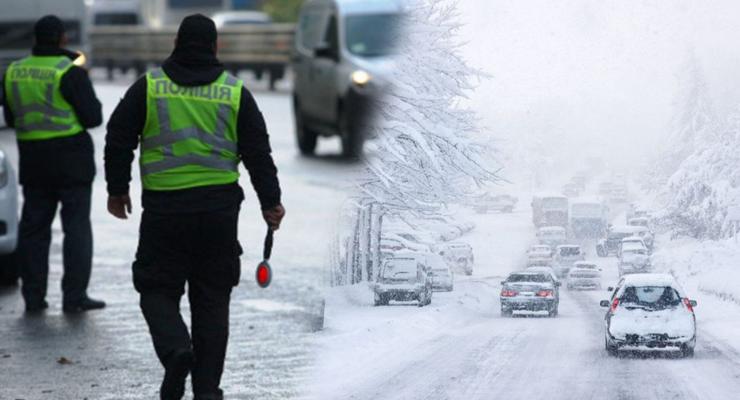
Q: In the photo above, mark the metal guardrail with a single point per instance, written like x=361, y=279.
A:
x=260, y=48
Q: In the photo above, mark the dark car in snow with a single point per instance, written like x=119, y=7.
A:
x=529, y=291
x=404, y=277
x=613, y=240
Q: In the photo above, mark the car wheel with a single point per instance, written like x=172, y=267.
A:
x=378, y=299
x=506, y=312
x=687, y=352
x=553, y=312
x=352, y=140
x=610, y=349
x=305, y=137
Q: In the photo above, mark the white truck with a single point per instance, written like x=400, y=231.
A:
x=588, y=218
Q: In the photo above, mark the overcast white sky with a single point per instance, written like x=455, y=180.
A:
x=598, y=72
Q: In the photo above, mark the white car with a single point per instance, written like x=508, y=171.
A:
x=649, y=312
x=235, y=18
x=547, y=270
x=552, y=235
x=443, y=278
x=8, y=218
x=584, y=275
x=565, y=256
x=539, y=251
x=498, y=203
x=459, y=256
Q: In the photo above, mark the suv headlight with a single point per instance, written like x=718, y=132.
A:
x=360, y=78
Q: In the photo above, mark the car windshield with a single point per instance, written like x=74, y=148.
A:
x=632, y=246
x=650, y=297
x=400, y=269
x=586, y=210
x=570, y=251
x=528, y=278
x=371, y=35
x=554, y=203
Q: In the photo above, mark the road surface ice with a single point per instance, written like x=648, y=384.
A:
x=460, y=347
x=109, y=352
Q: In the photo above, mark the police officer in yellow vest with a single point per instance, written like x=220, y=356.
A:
x=50, y=102
x=193, y=123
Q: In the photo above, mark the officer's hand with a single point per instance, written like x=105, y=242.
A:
x=119, y=206
x=273, y=216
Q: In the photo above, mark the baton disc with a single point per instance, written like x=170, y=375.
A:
x=263, y=274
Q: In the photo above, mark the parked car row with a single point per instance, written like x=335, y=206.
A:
x=420, y=259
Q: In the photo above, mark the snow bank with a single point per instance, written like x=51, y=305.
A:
x=709, y=267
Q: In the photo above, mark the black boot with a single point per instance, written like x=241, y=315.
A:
x=86, y=304
x=36, y=306
x=178, y=367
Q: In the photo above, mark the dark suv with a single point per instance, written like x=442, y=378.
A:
x=342, y=51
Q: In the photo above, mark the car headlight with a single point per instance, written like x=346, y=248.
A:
x=360, y=78
x=81, y=59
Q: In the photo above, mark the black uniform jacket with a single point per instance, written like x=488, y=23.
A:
x=190, y=66
x=65, y=161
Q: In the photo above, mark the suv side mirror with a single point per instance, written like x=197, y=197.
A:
x=610, y=289
x=503, y=283
x=324, y=50
x=558, y=284
x=693, y=303
x=604, y=303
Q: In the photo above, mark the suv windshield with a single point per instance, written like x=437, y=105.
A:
x=371, y=35
x=650, y=297
x=528, y=278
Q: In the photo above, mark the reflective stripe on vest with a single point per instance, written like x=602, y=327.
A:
x=33, y=89
x=170, y=171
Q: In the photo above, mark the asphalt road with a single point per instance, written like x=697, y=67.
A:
x=460, y=347
x=108, y=354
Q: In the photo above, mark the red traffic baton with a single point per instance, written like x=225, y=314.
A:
x=263, y=274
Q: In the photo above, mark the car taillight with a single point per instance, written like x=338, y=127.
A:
x=508, y=293
x=544, y=293
x=615, y=303
x=688, y=305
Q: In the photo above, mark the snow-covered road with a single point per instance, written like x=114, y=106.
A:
x=110, y=351
x=461, y=348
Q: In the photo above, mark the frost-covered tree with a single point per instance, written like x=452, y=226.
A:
x=426, y=150
x=693, y=121
x=706, y=183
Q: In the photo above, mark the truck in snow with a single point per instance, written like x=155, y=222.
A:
x=589, y=218
x=134, y=35
x=550, y=210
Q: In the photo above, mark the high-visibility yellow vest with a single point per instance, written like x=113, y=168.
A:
x=189, y=138
x=32, y=89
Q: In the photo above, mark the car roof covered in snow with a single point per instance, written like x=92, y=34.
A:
x=584, y=265
x=651, y=279
x=552, y=229
x=587, y=200
x=632, y=239
x=545, y=195
x=625, y=228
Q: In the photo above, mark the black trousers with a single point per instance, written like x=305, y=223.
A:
x=34, y=238
x=201, y=250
